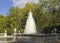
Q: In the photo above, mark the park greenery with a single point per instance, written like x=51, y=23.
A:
x=45, y=13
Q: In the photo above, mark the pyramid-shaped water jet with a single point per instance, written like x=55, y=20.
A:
x=30, y=27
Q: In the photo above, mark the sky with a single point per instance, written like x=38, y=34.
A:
x=5, y=5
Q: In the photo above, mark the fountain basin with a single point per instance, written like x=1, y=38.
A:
x=36, y=38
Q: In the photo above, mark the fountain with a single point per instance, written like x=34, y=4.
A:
x=5, y=33
x=14, y=36
x=30, y=30
x=30, y=34
x=30, y=27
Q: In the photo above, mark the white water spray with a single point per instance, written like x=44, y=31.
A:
x=30, y=27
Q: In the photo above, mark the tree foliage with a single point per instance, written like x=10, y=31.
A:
x=45, y=13
x=2, y=23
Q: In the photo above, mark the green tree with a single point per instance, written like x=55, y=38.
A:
x=51, y=7
x=2, y=23
x=14, y=18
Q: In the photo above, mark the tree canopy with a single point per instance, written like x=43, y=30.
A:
x=45, y=13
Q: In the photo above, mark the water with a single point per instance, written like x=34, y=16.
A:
x=30, y=27
x=5, y=33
